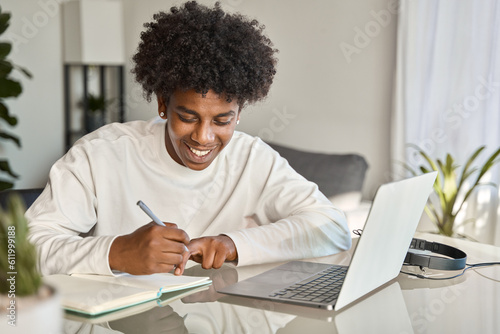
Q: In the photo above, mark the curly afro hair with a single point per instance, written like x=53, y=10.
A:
x=201, y=48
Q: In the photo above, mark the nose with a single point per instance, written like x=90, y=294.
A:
x=203, y=134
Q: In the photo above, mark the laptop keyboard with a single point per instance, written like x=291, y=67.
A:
x=323, y=287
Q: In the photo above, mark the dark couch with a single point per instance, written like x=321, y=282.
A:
x=339, y=176
x=335, y=174
x=27, y=195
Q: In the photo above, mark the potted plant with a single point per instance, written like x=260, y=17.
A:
x=94, y=107
x=30, y=305
x=9, y=88
x=25, y=302
x=450, y=186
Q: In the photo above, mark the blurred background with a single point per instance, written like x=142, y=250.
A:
x=364, y=76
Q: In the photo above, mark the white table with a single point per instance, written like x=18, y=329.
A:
x=468, y=304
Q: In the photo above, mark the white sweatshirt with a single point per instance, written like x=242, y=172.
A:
x=249, y=193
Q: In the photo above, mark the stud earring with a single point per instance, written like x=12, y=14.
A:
x=162, y=114
x=237, y=122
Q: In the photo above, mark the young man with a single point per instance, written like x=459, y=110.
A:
x=225, y=196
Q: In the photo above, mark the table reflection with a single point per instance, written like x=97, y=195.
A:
x=466, y=304
x=195, y=313
x=207, y=311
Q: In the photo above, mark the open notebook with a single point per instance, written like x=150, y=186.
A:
x=98, y=294
x=163, y=301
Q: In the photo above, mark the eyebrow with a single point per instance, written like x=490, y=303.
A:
x=192, y=112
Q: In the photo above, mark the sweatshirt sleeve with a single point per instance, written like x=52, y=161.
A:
x=295, y=220
x=64, y=211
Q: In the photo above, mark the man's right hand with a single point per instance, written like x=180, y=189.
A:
x=150, y=249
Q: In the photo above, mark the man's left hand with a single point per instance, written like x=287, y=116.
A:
x=212, y=252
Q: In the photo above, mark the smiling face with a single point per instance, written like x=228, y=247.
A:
x=198, y=127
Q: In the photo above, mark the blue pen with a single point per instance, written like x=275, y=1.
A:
x=150, y=213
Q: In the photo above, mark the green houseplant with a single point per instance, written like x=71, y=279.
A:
x=30, y=305
x=9, y=88
x=94, y=116
x=23, y=296
x=451, y=184
x=17, y=254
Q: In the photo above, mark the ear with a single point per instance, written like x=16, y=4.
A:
x=162, y=106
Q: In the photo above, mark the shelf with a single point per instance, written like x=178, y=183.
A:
x=76, y=125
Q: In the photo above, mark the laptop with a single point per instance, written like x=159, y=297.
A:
x=377, y=259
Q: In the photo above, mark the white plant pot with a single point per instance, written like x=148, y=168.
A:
x=41, y=313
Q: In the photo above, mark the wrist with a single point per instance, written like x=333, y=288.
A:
x=114, y=258
x=233, y=252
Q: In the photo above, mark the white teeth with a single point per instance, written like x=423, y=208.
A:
x=199, y=153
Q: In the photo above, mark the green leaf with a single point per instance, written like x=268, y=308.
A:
x=4, y=114
x=4, y=185
x=448, y=186
x=488, y=164
x=7, y=136
x=10, y=88
x=408, y=168
x=424, y=169
x=491, y=184
x=24, y=71
x=424, y=155
x=432, y=164
x=440, y=163
x=449, y=181
x=484, y=169
x=465, y=176
x=5, y=167
x=5, y=68
x=468, y=171
x=434, y=167
x=5, y=49
x=465, y=172
x=431, y=215
x=451, y=166
x=4, y=22
x=28, y=278
x=432, y=212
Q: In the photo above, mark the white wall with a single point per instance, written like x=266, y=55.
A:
x=321, y=100
x=36, y=36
